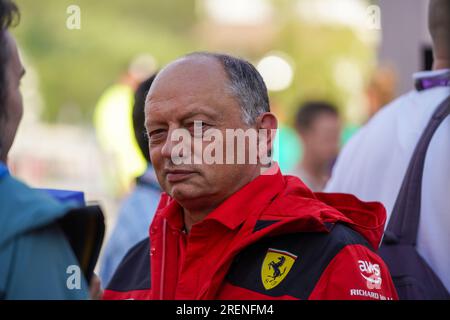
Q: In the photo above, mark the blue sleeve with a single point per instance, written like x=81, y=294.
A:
x=43, y=266
x=133, y=222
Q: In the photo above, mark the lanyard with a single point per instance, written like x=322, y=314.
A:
x=442, y=80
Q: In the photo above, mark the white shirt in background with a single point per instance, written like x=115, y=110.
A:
x=373, y=163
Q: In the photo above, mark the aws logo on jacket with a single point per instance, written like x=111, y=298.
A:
x=273, y=239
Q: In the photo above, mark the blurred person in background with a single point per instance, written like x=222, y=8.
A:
x=34, y=251
x=381, y=89
x=319, y=128
x=137, y=211
x=287, y=146
x=123, y=159
x=377, y=165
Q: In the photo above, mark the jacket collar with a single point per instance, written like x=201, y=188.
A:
x=252, y=197
x=430, y=79
x=32, y=208
x=235, y=210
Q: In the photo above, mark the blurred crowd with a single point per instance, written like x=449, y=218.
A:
x=398, y=157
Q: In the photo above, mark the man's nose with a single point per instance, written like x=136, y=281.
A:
x=172, y=148
x=168, y=146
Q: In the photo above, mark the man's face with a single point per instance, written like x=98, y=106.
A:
x=13, y=106
x=322, y=138
x=188, y=90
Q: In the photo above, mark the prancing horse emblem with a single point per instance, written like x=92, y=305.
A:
x=276, y=266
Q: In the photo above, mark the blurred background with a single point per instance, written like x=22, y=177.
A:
x=83, y=57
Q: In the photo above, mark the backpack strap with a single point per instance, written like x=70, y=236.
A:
x=404, y=222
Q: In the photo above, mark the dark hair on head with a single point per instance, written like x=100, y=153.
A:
x=139, y=116
x=245, y=84
x=439, y=27
x=310, y=111
x=9, y=16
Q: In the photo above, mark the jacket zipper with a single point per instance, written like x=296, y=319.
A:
x=163, y=264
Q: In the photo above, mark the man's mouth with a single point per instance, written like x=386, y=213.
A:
x=178, y=175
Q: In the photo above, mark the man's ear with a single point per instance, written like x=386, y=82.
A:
x=267, y=125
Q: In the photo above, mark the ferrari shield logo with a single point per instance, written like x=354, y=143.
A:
x=276, y=266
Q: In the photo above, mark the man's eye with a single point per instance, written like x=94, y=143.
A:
x=198, y=127
x=156, y=133
x=152, y=132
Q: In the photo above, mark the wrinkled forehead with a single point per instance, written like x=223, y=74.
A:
x=189, y=76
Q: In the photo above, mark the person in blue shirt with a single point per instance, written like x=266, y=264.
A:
x=137, y=210
x=36, y=259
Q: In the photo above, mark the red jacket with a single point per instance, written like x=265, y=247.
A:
x=273, y=239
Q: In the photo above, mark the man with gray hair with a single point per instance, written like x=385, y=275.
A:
x=231, y=229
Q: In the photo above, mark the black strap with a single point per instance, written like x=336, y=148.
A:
x=84, y=228
x=404, y=222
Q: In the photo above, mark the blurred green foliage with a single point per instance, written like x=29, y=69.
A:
x=75, y=66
